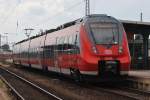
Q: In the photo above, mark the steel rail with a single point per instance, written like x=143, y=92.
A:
x=117, y=93
x=32, y=84
x=136, y=90
x=12, y=88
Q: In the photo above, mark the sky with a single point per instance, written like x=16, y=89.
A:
x=16, y=15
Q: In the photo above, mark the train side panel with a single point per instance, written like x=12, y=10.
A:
x=34, y=54
x=96, y=46
x=61, y=54
x=24, y=53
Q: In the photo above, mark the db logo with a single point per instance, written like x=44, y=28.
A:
x=108, y=52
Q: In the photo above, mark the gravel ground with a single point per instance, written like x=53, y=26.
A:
x=64, y=89
x=4, y=93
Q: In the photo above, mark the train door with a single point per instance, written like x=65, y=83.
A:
x=39, y=56
x=42, y=53
x=29, y=53
x=73, y=51
x=76, y=49
x=66, y=53
x=57, y=50
x=69, y=51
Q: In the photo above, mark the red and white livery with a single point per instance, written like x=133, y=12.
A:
x=95, y=45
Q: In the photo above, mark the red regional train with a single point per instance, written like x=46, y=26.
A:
x=95, y=45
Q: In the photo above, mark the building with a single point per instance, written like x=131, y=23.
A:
x=138, y=39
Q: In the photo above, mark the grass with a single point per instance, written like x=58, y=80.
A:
x=5, y=92
x=1, y=83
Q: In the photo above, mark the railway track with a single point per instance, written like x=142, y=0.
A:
x=124, y=92
x=24, y=89
x=113, y=92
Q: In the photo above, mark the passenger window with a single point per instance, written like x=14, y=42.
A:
x=71, y=44
x=70, y=39
x=65, y=44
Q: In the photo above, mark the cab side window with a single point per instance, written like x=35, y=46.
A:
x=77, y=44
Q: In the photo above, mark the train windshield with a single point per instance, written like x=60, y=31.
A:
x=105, y=33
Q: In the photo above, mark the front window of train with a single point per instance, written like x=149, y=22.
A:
x=105, y=32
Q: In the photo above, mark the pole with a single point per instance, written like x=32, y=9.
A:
x=0, y=43
x=87, y=7
x=145, y=47
x=141, y=16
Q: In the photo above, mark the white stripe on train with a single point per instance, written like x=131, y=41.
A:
x=67, y=71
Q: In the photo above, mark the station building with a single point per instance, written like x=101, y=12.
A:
x=139, y=43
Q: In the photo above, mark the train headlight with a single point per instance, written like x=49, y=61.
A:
x=94, y=49
x=120, y=49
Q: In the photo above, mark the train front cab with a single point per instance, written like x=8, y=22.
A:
x=104, y=48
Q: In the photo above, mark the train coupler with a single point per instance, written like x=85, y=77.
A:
x=109, y=67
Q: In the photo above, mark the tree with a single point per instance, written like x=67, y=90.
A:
x=5, y=47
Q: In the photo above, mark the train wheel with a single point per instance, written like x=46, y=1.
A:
x=29, y=65
x=45, y=69
x=75, y=74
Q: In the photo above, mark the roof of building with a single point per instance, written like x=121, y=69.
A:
x=135, y=22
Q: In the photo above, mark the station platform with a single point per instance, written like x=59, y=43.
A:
x=139, y=79
x=139, y=73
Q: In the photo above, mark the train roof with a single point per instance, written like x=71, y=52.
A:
x=104, y=17
x=64, y=26
x=53, y=30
